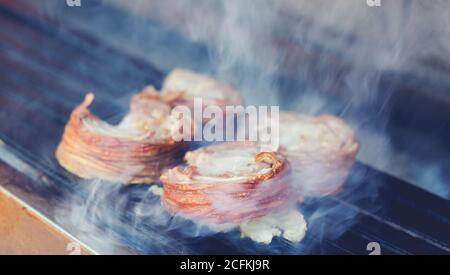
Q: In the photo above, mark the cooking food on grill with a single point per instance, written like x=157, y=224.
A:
x=181, y=87
x=227, y=183
x=321, y=151
x=135, y=151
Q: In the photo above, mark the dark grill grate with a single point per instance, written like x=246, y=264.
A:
x=46, y=70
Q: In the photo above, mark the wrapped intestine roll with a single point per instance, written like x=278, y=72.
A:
x=321, y=151
x=227, y=183
x=135, y=151
x=182, y=86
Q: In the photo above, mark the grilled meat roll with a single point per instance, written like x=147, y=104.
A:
x=135, y=151
x=181, y=86
x=226, y=183
x=321, y=151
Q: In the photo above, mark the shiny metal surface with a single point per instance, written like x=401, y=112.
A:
x=24, y=230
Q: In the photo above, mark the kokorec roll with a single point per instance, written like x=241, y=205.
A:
x=227, y=183
x=321, y=151
x=135, y=151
